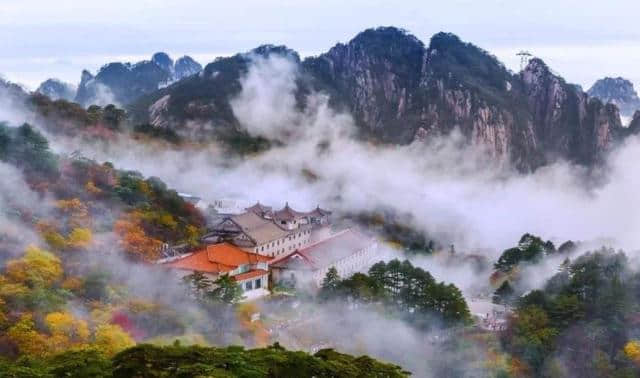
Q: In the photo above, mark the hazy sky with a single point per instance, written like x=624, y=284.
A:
x=582, y=40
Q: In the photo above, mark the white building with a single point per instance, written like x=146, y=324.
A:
x=349, y=251
x=272, y=233
x=249, y=270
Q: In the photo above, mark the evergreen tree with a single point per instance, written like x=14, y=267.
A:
x=198, y=283
x=504, y=294
x=330, y=284
x=226, y=290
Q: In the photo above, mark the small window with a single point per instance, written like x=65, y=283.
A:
x=248, y=285
x=258, y=283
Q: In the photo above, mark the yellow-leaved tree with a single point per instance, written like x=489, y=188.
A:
x=632, y=351
x=134, y=240
x=80, y=238
x=111, y=339
x=36, y=268
x=76, y=210
x=66, y=332
x=25, y=336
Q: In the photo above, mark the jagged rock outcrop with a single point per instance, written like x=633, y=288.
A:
x=12, y=102
x=122, y=83
x=57, y=90
x=186, y=66
x=164, y=61
x=11, y=91
x=634, y=125
x=199, y=105
x=618, y=91
x=567, y=122
x=377, y=75
x=400, y=90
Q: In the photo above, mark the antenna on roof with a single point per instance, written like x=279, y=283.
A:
x=524, y=58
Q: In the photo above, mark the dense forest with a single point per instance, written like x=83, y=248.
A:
x=64, y=308
x=410, y=291
x=83, y=292
x=178, y=361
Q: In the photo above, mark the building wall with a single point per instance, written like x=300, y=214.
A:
x=349, y=265
x=264, y=280
x=284, y=246
x=264, y=283
x=358, y=261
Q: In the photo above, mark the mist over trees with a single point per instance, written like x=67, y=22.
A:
x=80, y=295
x=584, y=320
x=410, y=291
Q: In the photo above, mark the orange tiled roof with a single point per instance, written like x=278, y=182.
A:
x=217, y=258
x=250, y=274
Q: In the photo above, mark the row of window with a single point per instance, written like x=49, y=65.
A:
x=278, y=242
x=342, y=267
x=250, y=285
x=291, y=247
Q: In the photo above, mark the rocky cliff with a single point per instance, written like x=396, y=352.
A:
x=618, y=91
x=400, y=91
x=57, y=90
x=123, y=83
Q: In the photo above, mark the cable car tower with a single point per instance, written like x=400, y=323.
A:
x=524, y=58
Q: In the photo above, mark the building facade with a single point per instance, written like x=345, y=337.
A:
x=272, y=233
x=349, y=251
x=249, y=270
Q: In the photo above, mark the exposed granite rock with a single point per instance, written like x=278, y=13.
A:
x=399, y=91
x=123, y=83
x=185, y=67
x=57, y=90
x=618, y=91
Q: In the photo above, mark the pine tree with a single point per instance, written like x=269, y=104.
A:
x=503, y=294
x=226, y=290
x=330, y=284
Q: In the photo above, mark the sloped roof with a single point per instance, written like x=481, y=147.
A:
x=327, y=252
x=216, y=258
x=288, y=214
x=250, y=274
x=293, y=261
x=249, y=221
x=318, y=212
x=259, y=209
x=260, y=230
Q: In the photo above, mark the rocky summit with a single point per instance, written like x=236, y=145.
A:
x=123, y=83
x=618, y=91
x=400, y=90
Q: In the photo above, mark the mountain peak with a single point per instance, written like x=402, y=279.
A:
x=618, y=91
x=384, y=35
x=444, y=40
x=186, y=66
x=163, y=60
x=56, y=89
x=268, y=49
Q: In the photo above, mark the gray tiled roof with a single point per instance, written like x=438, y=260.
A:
x=288, y=214
x=327, y=252
x=259, y=229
